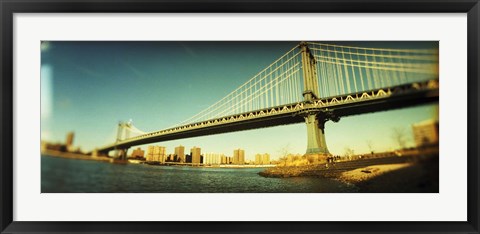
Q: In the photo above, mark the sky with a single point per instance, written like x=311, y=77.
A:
x=88, y=87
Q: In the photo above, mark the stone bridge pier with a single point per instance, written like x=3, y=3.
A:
x=317, y=150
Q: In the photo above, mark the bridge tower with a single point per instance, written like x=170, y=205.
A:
x=121, y=131
x=316, y=145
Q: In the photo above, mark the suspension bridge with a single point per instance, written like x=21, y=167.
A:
x=312, y=83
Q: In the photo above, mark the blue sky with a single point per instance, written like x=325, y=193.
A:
x=87, y=87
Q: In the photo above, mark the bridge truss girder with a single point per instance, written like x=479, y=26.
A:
x=352, y=104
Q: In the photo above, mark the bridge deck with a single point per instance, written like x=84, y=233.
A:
x=347, y=105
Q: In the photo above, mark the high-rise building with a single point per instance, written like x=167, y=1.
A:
x=265, y=159
x=149, y=156
x=195, y=152
x=239, y=156
x=258, y=159
x=425, y=133
x=138, y=153
x=262, y=159
x=207, y=158
x=212, y=159
x=235, y=157
x=156, y=154
x=180, y=152
x=69, y=141
x=223, y=159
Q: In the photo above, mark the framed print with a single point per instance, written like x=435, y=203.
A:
x=274, y=116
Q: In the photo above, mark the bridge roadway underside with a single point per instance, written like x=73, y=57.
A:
x=348, y=109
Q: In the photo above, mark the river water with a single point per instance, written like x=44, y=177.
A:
x=60, y=175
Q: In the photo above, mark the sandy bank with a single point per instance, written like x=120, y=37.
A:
x=331, y=170
x=363, y=174
x=420, y=177
x=393, y=175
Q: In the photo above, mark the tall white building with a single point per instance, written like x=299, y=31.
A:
x=212, y=159
x=425, y=133
x=156, y=154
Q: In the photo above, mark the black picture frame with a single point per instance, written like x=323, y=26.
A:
x=9, y=7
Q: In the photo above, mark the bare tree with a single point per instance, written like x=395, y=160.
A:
x=349, y=151
x=284, y=152
x=400, y=137
x=370, y=146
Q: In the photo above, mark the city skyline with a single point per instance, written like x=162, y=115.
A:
x=87, y=87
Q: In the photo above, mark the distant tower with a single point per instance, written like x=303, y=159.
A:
x=239, y=156
x=258, y=159
x=156, y=153
x=266, y=158
x=149, y=156
x=180, y=152
x=69, y=141
x=223, y=159
x=235, y=157
x=195, y=152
